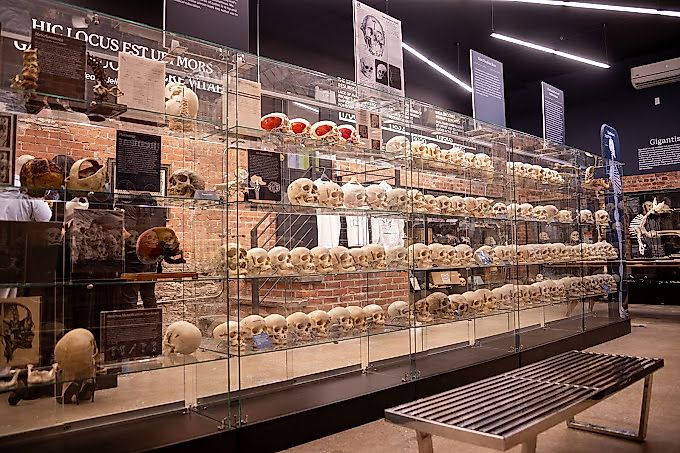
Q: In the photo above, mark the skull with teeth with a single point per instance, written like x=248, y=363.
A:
x=420, y=255
x=360, y=256
x=483, y=162
x=320, y=322
x=499, y=210
x=280, y=260
x=376, y=256
x=397, y=199
x=277, y=328
x=474, y=300
x=397, y=257
x=358, y=318
x=431, y=204
x=539, y=213
x=376, y=196
x=302, y=260
x=416, y=200
x=438, y=304
x=233, y=258
x=230, y=331
x=354, y=195
x=253, y=325
x=564, y=216
x=303, y=192
x=398, y=311
x=444, y=204
x=483, y=207
x=341, y=320
x=342, y=259
x=422, y=310
x=585, y=216
x=457, y=205
x=601, y=217
x=330, y=194
x=459, y=304
x=322, y=259
x=299, y=326
x=465, y=254
x=185, y=183
x=439, y=255
x=375, y=316
x=258, y=262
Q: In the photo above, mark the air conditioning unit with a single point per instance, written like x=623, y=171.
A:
x=654, y=74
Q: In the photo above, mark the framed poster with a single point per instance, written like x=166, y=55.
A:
x=163, y=180
x=7, y=148
x=20, y=331
x=138, y=162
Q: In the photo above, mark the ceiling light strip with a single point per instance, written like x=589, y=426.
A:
x=601, y=7
x=549, y=50
x=436, y=67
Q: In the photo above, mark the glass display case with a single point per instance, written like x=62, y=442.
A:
x=222, y=228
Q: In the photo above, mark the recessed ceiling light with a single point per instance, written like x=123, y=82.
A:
x=436, y=67
x=549, y=50
x=599, y=6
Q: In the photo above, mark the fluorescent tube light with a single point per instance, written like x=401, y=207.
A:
x=549, y=50
x=436, y=67
x=598, y=6
x=306, y=107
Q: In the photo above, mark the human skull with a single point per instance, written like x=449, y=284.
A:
x=465, y=254
x=275, y=122
x=280, y=260
x=431, y=204
x=399, y=145
x=504, y=295
x=455, y=157
x=320, y=322
x=475, y=300
x=539, y=213
x=438, y=305
x=303, y=192
x=444, y=204
x=416, y=200
x=419, y=254
x=550, y=212
x=348, y=134
x=440, y=255
x=418, y=149
x=490, y=300
x=182, y=337
x=89, y=175
x=398, y=311
x=499, y=210
x=360, y=256
x=277, y=328
x=185, y=183
x=354, y=195
x=342, y=260
x=181, y=100
x=422, y=310
x=483, y=162
x=330, y=194
x=512, y=210
x=488, y=251
x=326, y=131
x=483, y=207
x=397, y=257
x=252, y=325
x=76, y=353
x=459, y=304
x=564, y=216
x=526, y=210
x=258, y=262
x=601, y=217
x=468, y=160
x=535, y=172
x=585, y=216
x=434, y=152
x=457, y=205
x=376, y=256
x=341, y=320
x=470, y=205
x=358, y=318
x=231, y=332
x=299, y=326
x=322, y=259
x=302, y=260
x=397, y=199
x=375, y=316
x=376, y=196
x=574, y=236
x=535, y=293
x=157, y=244
x=233, y=257
x=300, y=126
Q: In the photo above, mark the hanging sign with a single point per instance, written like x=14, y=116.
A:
x=488, y=89
x=553, y=113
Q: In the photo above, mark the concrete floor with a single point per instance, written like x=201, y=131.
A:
x=656, y=333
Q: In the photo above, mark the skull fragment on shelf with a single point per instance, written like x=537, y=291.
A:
x=87, y=175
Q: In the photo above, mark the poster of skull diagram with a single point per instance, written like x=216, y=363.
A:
x=7, y=125
x=378, y=57
x=19, y=332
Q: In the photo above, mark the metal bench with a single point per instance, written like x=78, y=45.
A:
x=515, y=407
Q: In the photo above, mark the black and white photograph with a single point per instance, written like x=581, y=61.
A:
x=6, y=149
x=5, y=131
x=20, y=331
x=394, y=76
x=381, y=73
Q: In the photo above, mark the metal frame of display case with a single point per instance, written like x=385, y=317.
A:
x=241, y=395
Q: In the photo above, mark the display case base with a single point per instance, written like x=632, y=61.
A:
x=283, y=416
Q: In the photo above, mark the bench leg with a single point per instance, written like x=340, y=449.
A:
x=424, y=442
x=623, y=433
x=529, y=446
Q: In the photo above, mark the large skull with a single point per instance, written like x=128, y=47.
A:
x=275, y=122
x=397, y=199
x=375, y=316
x=302, y=260
x=320, y=321
x=398, y=311
x=253, y=325
x=376, y=196
x=342, y=259
x=76, y=353
x=399, y=145
x=88, y=175
x=322, y=259
x=330, y=194
x=419, y=254
x=354, y=195
x=376, y=256
x=358, y=318
x=281, y=261
x=303, y=192
x=185, y=183
x=277, y=328
x=182, y=337
x=397, y=257
x=373, y=34
x=341, y=320
x=601, y=217
x=299, y=326
x=258, y=262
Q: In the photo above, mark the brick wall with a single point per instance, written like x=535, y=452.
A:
x=655, y=181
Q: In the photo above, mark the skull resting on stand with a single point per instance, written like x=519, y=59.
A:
x=159, y=244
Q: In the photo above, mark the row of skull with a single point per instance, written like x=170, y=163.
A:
x=300, y=326
x=327, y=131
x=456, y=156
x=535, y=172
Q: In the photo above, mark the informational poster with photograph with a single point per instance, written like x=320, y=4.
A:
x=20, y=335
x=378, y=57
x=369, y=127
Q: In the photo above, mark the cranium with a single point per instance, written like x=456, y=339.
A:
x=185, y=183
x=419, y=254
x=457, y=205
x=230, y=331
x=535, y=293
x=253, y=325
x=90, y=177
x=488, y=251
x=181, y=101
x=376, y=256
x=585, y=216
x=416, y=200
x=275, y=122
x=474, y=300
x=397, y=199
x=76, y=353
x=399, y=145
x=233, y=258
x=431, y=204
x=397, y=257
x=302, y=260
x=483, y=162
x=564, y=216
x=303, y=192
x=341, y=320
x=299, y=326
x=320, y=322
x=300, y=126
x=277, y=328
x=258, y=262
x=422, y=310
x=550, y=212
x=434, y=152
x=499, y=210
x=280, y=260
x=418, y=149
x=438, y=304
x=360, y=256
x=601, y=217
x=326, y=131
x=398, y=311
x=453, y=256
x=71, y=206
x=465, y=254
x=468, y=160
x=455, y=157
x=459, y=304
x=483, y=207
x=513, y=211
x=526, y=210
x=342, y=260
x=157, y=244
x=440, y=255
x=535, y=172
x=181, y=337
x=348, y=134
x=504, y=295
x=539, y=213
x=444, y=204
x=490, y=300
x=322, y=259
x=376, y=196
x=358, y=318
x=354, y=195
x=330, y=194
x=375, y=316
x=470, y=205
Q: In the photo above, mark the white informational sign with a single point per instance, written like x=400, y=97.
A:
x=369, y=127
x=142, y=82
x=378, y=57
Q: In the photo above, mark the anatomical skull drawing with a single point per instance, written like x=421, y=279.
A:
x=374, y=35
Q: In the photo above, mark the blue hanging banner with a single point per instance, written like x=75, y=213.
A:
x=488, y=89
